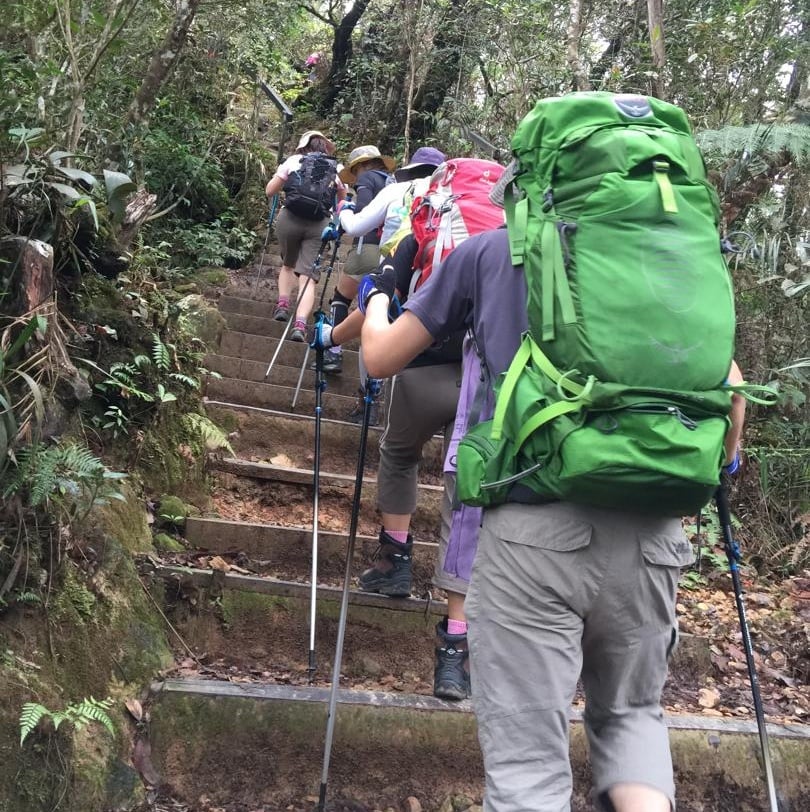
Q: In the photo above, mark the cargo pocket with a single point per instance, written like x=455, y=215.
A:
x=554, y=527
x=663, y=554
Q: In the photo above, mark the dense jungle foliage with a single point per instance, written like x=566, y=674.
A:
x=136, y=138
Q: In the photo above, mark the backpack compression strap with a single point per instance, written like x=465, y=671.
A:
x=573, y=396
x=554, y=279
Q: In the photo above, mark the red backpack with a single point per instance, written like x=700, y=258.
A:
x=455, y=206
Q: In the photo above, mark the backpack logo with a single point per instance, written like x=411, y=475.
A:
x=633, y=106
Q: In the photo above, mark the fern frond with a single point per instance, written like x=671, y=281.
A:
x=758, y=140
x=211, y=435
x=160, y=353
x=193, y=383
x=93, y=710
x=30, y=715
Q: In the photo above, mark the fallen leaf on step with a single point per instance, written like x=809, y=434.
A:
x=282, y=460
x=135, y=708
x=219, y=563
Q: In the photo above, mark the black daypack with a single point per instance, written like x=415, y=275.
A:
x=310, y=190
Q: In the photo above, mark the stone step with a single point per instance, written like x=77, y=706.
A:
x=197, y=725
x=265, y=326
x=261, y=348
x=347, y=383
x=287, y=551
x=274, y=396
x=269, y=432
x=302, y=476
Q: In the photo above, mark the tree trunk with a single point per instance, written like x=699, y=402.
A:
x=443, y=71
x=655, y=17
x=578, y=73
x=341, y=56
x=162, y=62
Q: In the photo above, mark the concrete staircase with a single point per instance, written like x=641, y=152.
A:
x=239, y=724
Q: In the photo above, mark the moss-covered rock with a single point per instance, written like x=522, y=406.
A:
x=216, y=277
x=101, y=635
x=172, y=511
x=167, y=544
x=201, y=319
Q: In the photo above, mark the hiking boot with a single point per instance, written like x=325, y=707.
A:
x=332, y=362
x=297, y=334
x=281, y=313
x=356, y=414
x=451, y=674
x=391, y=573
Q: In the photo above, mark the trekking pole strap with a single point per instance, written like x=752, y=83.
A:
x=271, y=215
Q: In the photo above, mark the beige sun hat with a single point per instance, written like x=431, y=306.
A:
x=360, y=155
x=309, y=135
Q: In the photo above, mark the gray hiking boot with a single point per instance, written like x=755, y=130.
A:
x=391, y=573
x=281, y=313
x=298, y=335
x=356, y=414
x=451, y=672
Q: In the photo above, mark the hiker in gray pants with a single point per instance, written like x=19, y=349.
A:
x=558, y=589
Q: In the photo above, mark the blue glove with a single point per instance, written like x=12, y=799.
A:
x=733, y=466
x=372, y=284
x=345, y=205
x=320, y=333
x=329, y=233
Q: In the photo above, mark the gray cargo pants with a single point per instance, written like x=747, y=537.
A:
x=422, y=401
x=557, y=591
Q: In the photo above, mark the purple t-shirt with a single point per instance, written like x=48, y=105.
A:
x=477, y=286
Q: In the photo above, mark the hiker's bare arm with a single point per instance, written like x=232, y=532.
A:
x=274, y=186
x=387, y=348
x=349, y=328
x=737, y=414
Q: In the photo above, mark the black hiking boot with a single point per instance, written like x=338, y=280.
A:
x=451, y=673
x=356, y=414
x=391, y=573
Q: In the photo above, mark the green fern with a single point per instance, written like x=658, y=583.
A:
x=160, y=353
x=59, y=470
x=756, y=139
x=209, y=433
x=193, y=383
x=78, y=714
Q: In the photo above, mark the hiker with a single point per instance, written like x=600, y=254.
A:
x=384, y=215
x=301, y=222
x=424, y=400
x=564, y=589
x=368, y=171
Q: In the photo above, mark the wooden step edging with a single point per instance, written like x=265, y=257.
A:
x=292, y=589
x=287, y=725
x=297, y=476
x=221, y=535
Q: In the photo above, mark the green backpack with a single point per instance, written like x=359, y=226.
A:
x=617, y=395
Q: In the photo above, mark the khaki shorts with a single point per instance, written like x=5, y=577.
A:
x=561, y=591
x=358, y=264
x=299, y=242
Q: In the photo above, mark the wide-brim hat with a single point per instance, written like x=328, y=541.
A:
x=359, y=155
x=423, y=157
x=309, y=135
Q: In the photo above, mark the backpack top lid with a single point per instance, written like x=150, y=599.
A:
x=557, y=122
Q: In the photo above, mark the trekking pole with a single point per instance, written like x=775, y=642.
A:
x=315, y=266
x=329, y=270
x=320, y=385
x=271, y=215
x=372, y=390
x=733, y=554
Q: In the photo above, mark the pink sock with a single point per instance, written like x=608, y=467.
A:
x=400, y=536
x=283, y=301
x=300, y=324
x=456, y=626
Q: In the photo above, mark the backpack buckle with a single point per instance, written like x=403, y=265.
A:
x=548, y=200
